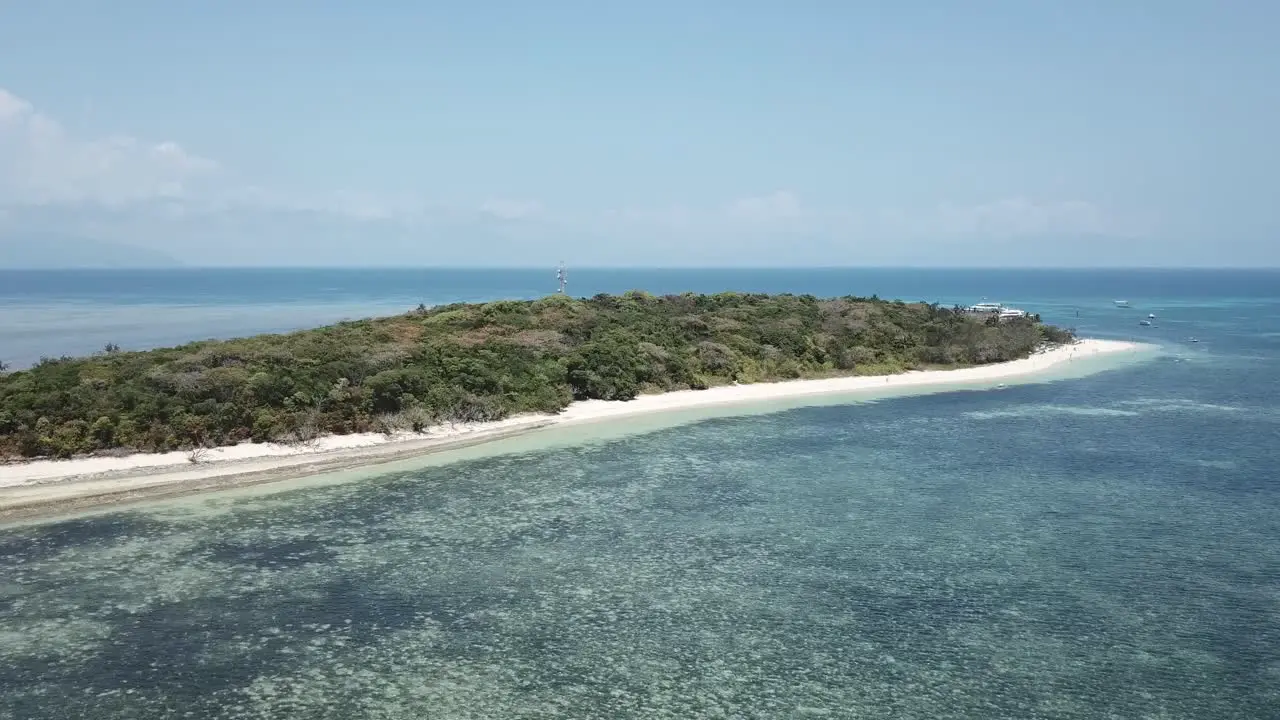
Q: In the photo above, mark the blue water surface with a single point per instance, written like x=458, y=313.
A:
x=1101, y=547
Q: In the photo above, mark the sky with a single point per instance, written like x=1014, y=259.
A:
x=657, y=133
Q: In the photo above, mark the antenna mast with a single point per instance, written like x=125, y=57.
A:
x=562, y=277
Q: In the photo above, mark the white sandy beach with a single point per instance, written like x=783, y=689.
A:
x=94, y=480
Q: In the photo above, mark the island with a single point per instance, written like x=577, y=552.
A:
x=478, y=362
x=121, y=426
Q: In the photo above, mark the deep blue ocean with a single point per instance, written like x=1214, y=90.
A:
x=1100, y=547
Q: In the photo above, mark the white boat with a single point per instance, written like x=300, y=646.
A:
x=1151, y=316
x=985, y=307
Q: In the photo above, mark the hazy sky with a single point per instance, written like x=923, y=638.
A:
x=284, y=132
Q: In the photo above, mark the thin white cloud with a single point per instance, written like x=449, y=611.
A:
x=158, y=194
x=1023, y=218
x=512, y=209
x=12, y=106
x=765, y=212
x=672, y=218
x=41, y=163
x=782, y=214
x=782, y=205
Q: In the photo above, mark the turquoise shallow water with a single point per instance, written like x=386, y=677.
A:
x=1106, y=546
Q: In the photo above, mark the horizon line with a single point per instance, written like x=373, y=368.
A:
x=667, y=268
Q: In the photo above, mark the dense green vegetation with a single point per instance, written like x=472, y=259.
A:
x=461, y=363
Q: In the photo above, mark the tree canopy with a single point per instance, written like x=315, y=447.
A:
x=475, y=362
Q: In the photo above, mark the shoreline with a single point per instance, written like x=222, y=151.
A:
x=47, y=487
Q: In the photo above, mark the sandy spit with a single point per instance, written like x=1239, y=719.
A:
x=42, y=487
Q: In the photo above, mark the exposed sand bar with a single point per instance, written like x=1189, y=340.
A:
x=52, y=486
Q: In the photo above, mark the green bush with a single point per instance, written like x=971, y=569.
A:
x=464, y=363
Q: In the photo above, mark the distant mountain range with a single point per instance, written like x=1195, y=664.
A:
x=39, y=251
